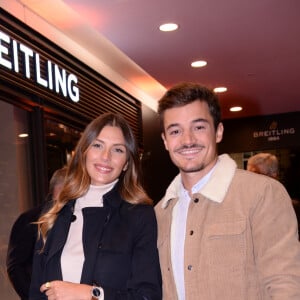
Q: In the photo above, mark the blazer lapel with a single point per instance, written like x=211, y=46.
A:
x=59, y=233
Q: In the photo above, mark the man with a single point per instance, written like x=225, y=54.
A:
x=224, y=233
x=264, y=163
x=23, y=237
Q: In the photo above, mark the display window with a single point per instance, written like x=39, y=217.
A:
x=15, y=178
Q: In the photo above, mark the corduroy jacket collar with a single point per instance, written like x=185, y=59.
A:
x=215, y=189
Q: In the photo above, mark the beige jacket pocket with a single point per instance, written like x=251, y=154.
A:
x=226, y=244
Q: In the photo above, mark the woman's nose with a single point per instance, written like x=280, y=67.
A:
x=105, y=154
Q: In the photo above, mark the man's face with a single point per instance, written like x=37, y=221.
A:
x=190, y=137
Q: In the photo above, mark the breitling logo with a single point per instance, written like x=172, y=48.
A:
x=274, y=132
x=22, y=59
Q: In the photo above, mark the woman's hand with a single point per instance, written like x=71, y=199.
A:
x=63, y=290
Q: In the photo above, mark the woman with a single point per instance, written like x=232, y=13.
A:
x=99, y=239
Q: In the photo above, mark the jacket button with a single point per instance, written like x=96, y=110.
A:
x=196, y=200
x=191, y=232
x=190, y=267
x=100, y=246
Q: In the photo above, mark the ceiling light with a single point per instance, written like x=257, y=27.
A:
x=220, y=89
x=198, y=63
x=168, y=27
x=23, y=135
x=235, y=108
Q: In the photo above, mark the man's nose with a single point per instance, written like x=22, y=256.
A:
x=188, y=137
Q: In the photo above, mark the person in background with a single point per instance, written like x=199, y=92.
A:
x=23, y=237
x=99, y=239
x=264, y=163
x=223, y=233
x=267, y=164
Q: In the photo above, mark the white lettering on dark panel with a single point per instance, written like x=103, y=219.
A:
x=55, y=79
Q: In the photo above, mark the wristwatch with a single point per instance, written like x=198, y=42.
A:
x=97, y=293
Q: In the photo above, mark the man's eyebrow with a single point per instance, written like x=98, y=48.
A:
x=194, y=121
x=200, y=120
x=172, y=125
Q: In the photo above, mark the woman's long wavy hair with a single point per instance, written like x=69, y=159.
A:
x=77, y=180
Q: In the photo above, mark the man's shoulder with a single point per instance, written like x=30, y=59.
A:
x=252, y=187
x=250, y=178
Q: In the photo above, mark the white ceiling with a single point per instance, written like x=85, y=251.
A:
x=252, y=47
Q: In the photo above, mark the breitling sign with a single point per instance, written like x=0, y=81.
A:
x=22, y=59
x=263, y=132
x=274, y=132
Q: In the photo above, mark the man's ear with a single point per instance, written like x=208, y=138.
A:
x=164, y=139
x=219, y=132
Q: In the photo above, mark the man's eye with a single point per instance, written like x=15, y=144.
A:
x=199, y=127
x=174, y=132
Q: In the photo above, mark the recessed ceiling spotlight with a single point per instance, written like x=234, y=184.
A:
x=23, y=135
x=220, y=89
x=168, y=27
x=235, y=108
x=198, y=63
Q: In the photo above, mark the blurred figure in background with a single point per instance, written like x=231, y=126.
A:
x=267, y=164
x=264, y=163
x=23, y=237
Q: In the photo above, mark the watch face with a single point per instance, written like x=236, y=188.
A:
x=96, y=292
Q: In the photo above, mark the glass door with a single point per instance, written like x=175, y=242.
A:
x=15, y=180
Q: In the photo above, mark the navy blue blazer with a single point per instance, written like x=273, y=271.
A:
x=120, y=248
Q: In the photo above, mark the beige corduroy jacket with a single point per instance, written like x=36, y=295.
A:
x=241, y=239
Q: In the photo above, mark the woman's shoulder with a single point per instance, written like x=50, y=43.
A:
x=138, y=207
x=138, y=210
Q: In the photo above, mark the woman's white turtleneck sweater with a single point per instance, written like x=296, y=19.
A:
x=72, y=257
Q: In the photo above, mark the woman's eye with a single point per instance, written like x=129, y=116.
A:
x=97, y=145
x=119, y=150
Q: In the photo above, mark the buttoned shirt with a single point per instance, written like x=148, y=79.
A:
x=178, y=231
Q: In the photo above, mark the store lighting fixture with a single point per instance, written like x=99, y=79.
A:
x=168, y=27
x=220, y=89
x=23, y=135
x=235, y=108
x=198, y=63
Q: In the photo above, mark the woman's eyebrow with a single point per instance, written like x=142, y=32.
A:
x=117, y=144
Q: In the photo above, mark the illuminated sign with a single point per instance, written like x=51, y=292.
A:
x=261, y=132
x=274, y=133
x=13, y=55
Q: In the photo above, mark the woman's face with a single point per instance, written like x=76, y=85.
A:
x=107, y=156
